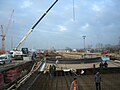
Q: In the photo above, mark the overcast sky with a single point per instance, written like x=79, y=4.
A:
x=98, y=20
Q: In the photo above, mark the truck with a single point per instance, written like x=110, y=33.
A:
x=18, y=54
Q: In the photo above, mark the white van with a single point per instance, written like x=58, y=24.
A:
x=4, y=58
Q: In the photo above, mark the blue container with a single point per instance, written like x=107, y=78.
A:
x=105, y=58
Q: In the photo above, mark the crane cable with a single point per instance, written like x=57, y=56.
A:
x=73, y=11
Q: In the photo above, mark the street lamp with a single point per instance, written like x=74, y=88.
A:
x=84, y=42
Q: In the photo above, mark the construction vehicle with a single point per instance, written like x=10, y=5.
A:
x=4, y=58
x=18, y=53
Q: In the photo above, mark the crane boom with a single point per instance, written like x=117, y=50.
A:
x=23, y=39
x=9, y=21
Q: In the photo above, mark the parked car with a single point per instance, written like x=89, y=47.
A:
x=5, y=58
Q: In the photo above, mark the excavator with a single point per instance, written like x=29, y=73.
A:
x=18, y=54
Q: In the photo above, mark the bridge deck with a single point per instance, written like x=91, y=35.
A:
x=86, y=82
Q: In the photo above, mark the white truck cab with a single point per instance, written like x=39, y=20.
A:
x=16, y=54
x=13, y=53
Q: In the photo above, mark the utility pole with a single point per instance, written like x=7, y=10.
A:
x=84, y=42
x=119, y=46
x=119, y=43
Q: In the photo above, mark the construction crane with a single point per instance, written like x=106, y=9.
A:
x=23, y=39
x=17, y=52
x=3, y=35
x=2, y=51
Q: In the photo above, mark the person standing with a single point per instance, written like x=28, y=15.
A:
x=56, y=62
x=98, y=81
x=54, y=70
x=101, y=64
x=105, y=64
x=74, y=84
x=50, y=71
x=94, y=69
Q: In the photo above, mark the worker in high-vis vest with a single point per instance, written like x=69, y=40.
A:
x=74, y=84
